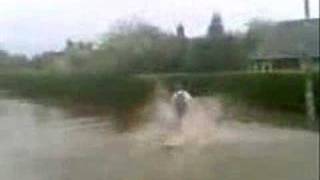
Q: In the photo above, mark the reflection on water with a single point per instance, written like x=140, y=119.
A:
x=44, y=143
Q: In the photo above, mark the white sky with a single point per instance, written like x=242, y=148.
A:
x=33, y=26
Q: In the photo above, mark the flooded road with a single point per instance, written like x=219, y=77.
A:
x=44, y=143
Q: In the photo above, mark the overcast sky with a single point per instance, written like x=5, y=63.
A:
x=33, y=26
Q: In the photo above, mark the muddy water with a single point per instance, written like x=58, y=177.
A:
x=45, y=143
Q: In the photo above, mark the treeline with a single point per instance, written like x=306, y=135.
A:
x=139, y=47
x=143, y=48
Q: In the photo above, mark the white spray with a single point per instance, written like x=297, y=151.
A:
x=198, y=125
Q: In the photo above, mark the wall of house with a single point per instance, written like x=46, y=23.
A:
x=282, y=64
x=313, y=64
x=316, y=66
x=261, y=66
x=287, y=64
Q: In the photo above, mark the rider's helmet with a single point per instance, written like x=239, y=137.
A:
x=178, y=87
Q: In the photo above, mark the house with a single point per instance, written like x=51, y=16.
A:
x=61, y=59
x=285, y=44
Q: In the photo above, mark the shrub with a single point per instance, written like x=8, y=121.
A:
x=274, y=90
x=117, y=92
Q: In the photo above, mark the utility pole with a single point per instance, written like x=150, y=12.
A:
x=309, y=86
x=309, y=92
x=307, y=9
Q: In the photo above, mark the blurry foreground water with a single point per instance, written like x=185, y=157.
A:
x=45, y=143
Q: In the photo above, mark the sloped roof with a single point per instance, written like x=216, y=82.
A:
x=289, y=39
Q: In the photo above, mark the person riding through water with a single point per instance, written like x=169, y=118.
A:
x=181, y=100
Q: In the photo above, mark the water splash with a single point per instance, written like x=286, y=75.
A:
x=198, y=125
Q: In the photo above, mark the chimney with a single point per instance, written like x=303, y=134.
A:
x=306, y=9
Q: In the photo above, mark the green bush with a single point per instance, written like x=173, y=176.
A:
x=117, y=92
x=283, y=91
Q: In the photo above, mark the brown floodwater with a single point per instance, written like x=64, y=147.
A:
x=40, y=142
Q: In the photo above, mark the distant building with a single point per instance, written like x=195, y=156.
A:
x=72, y=46
x=46, y=58
x=285, y=43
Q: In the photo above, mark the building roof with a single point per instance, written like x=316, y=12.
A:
x=289, y=39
